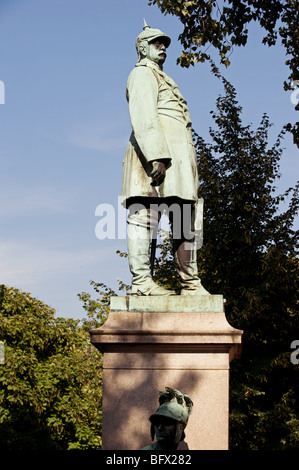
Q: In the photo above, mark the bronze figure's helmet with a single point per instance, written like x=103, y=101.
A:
x=149, y=34
x=175, y=405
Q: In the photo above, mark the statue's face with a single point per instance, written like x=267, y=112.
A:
x=157, y=51
x=165, y=429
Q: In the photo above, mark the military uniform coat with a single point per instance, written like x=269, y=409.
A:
x=161, y=130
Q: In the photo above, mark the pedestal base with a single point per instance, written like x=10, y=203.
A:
x=150, y=343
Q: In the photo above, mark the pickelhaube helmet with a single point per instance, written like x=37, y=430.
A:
x=149, y=34
x=175, y=405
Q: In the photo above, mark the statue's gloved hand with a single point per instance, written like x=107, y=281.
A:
x=158, y=173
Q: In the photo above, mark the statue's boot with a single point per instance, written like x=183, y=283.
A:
x=185, y=258
x=138, y=253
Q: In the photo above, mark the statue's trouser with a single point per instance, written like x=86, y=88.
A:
x=139, y=236
x=140, y=225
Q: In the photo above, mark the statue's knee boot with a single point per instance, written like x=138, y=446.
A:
x=139, y=260
x=185, y=258
x=138, y=254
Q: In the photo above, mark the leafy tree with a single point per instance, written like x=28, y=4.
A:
x=208, y=24
x=97, y=309
x=250, y=255
x=50, y=384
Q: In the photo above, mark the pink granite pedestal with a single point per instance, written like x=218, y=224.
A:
x=150, y=343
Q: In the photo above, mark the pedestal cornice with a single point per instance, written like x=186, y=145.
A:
x=168, y=324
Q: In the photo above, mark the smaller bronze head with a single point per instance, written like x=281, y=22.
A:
x=171, y=418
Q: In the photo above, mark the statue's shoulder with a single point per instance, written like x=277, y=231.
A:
x=141, y=77
x=141, y=71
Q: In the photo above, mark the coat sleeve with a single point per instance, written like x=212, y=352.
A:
x=142, y=95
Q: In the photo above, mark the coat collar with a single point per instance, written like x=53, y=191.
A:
x=148, y=63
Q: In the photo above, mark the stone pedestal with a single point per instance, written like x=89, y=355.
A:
x=150, y=343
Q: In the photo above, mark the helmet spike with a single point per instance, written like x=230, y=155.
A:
x=145, y=25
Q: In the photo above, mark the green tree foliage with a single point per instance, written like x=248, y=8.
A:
x=50, y=384
x=97, y=309
x=250, y=255
x=224, y=25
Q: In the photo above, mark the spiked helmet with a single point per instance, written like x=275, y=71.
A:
x=172, y=404
x=149, y=34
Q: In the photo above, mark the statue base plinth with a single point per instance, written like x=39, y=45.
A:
x=150, y=343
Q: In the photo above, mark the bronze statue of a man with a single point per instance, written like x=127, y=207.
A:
x=160, y=167
x=170, y=420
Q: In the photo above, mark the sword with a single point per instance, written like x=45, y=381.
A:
x=153, y=249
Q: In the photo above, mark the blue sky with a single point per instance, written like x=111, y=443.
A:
x=64, y=129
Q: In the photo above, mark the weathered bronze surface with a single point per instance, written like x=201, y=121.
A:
x=160, y=166
x=170, y=419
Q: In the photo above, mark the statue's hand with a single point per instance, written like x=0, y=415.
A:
x=158, y=173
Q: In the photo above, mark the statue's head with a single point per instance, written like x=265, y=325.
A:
x=152, y=44
x=171, y=418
